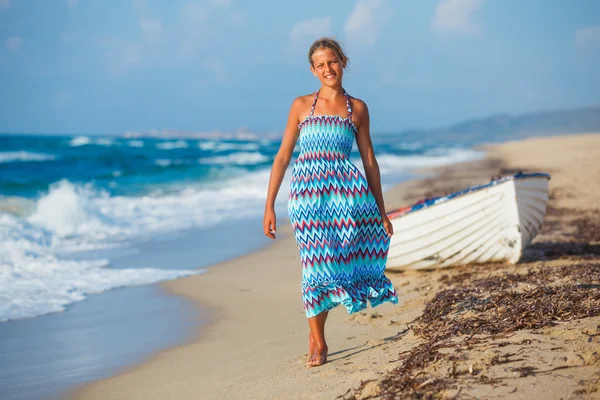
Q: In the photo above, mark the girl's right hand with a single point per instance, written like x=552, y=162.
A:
x=269, y=222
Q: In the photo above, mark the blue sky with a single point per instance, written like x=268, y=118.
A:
x=107, y=66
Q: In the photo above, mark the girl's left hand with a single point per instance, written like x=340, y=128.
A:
x=387, y=224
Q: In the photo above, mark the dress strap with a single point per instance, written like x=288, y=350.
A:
x=312, y=110
x=348, y=105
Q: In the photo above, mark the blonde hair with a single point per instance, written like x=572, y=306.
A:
x=328, y=43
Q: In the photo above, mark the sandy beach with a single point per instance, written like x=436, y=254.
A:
x=255, y=345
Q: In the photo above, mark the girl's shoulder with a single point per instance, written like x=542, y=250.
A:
x=301, y=103
x=358, y=105
x=306, y=98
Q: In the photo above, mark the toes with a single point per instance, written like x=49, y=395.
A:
x=318, y=359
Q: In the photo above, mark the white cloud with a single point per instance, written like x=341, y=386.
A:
x=4, y=4
x=14, y=43
x=363, y=24
x=72, y=3
x=587, y=36
x=310, y=29
x=151, y=28
x=457, y=16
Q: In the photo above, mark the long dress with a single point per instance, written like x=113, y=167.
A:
x=337, y=224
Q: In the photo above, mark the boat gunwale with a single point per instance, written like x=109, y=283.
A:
x=423, y=204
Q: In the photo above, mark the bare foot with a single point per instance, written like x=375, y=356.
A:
x=319, y=356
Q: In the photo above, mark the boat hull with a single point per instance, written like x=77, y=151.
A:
x=488, y=223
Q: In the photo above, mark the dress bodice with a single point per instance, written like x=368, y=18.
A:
x=327, y=135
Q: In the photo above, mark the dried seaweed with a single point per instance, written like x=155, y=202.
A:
x=495, y=305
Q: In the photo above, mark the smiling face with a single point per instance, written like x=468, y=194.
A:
x=327, y=66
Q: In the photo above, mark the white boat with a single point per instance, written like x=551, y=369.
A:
x=485, y=223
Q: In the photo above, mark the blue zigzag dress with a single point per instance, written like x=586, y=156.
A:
x=337, y=224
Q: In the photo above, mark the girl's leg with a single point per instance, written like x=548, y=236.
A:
x=318, y=345
x=311, y=348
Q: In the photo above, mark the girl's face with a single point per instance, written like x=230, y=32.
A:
x=327, y=67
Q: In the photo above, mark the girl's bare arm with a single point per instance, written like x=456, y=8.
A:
x=280, y=164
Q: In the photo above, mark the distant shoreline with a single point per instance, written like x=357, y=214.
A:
x=534, y=123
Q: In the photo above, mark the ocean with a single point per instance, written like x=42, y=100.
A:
x=63, y=198
x=102, y=218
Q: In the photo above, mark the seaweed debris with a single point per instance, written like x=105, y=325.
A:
x=474, y=310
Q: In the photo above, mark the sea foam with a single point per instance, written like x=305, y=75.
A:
x=35, y=281
x=179, y=144
x=217, y=146
x=390, y=163
x=241, y=158
x=24, y=156
x=79, y=141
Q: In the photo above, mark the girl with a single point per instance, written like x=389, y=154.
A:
x=338, y=217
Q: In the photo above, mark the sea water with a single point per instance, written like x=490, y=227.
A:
x=64, y=196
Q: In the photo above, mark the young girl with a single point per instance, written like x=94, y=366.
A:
x=339, y=220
